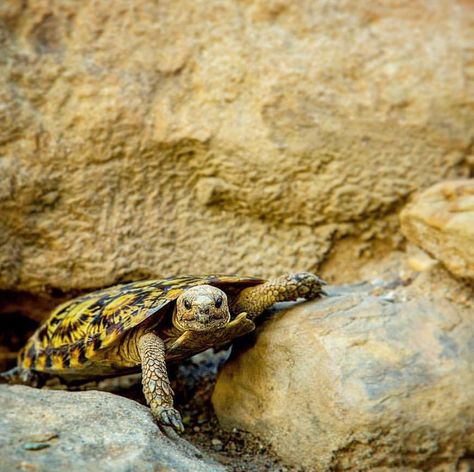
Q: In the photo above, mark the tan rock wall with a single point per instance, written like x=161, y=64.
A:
x=150, y=138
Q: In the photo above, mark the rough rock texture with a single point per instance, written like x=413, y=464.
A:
x=378, y=379
x=441, y=221
x=87, y=431
x=241, y=136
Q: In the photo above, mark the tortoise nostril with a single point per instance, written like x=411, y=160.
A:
x=203, y=315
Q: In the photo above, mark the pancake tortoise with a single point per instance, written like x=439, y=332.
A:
x=145, y=324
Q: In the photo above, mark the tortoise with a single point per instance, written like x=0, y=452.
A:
x=146, y=324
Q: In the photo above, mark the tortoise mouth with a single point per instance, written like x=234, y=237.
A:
x=203, y=325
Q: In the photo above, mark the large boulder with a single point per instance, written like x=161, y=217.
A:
x=371, y=378
x=441, y=221
x=44, y=431
x=236, y=136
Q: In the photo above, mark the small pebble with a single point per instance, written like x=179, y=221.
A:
x=388, y=297
x=202, y=418
x=196, y=429
x=216, y=444
x=187, y=419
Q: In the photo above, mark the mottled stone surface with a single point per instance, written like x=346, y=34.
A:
x=371, y=378
x=441, y=221
x=43, y=430
x=155, y=138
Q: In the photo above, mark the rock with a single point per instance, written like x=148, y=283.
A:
x=216, y=135
x=44, y=430
x=419, y=261
x=441, y=221
x=359, y=381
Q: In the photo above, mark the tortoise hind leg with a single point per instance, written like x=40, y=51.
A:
x=10, y=376
x=255, y=300
x=22, y=377
x=156, y=385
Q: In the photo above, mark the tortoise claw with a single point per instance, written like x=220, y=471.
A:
x=169, y=416
x=177, y=423
x=308, y=285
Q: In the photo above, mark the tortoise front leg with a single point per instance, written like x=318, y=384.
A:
x=156, y=385
x=191, y=342
x=255, y=300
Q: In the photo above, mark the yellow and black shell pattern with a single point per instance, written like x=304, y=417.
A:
x=79, y=331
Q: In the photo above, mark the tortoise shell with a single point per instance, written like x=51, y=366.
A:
x=81, y=333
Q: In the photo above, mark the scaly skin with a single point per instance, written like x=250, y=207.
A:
x=156, y=385
x=255, y=300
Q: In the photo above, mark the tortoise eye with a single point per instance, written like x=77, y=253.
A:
x=219, y=302
x=187, y=304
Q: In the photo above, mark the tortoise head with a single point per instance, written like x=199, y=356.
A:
x=201, y=308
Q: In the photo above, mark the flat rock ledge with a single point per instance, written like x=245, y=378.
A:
x=46, y=430
x=375, y=378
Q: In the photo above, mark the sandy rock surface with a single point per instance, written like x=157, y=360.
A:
x=440, y=220
x=168, y=137
x=42, y=431
x=372, y=378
